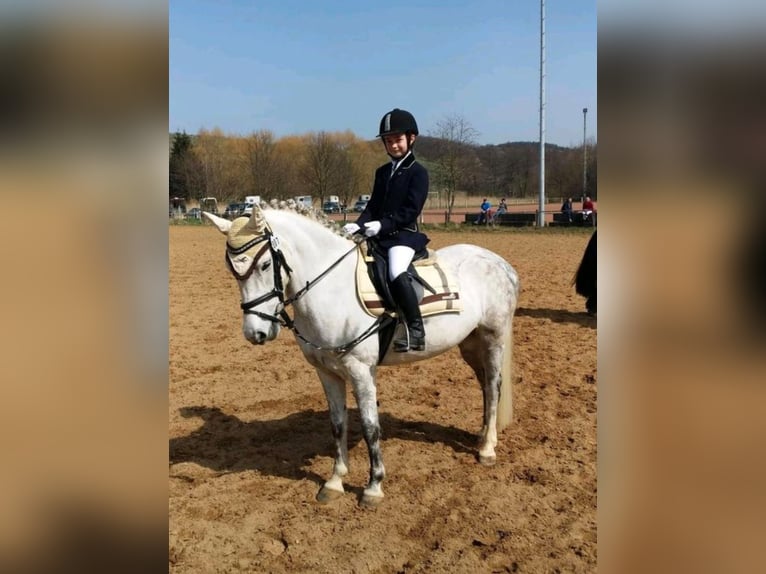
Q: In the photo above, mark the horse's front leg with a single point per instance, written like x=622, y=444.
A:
x=335, y=391
x=366, y=399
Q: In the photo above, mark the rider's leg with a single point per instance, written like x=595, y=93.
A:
x=399, y=258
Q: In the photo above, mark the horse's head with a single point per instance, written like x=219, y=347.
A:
x=255, y=259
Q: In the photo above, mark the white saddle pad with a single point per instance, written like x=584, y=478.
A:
x=446, y=299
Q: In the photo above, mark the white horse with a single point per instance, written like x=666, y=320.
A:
x=290, y=257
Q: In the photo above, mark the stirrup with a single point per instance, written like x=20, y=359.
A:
x=417, y=344
x=409, y=343
x=402, y=344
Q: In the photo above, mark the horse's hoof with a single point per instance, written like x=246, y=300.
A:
x=487, y=460
x=369, y=501
x=326, y=495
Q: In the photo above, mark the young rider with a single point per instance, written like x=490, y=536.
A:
x=398, y=195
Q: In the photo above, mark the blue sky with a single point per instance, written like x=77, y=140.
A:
x=295, y=67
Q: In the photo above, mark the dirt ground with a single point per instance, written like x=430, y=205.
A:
x=250, y=440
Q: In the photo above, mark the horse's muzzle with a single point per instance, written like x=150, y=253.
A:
x=259, y=337
x=256, y=338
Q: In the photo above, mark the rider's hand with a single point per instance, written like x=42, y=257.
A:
x=351, y=228
x=372, y=228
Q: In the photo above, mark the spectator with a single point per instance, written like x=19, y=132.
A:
x=566, y=209
x=587, y=209
x=484, y=215
x=501, y=208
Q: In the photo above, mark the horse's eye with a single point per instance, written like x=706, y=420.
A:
x=266, y=265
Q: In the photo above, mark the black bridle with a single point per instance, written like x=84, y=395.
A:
x=281, y=316
x=278, y=259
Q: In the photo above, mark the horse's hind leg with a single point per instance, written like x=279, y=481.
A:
x=335, y=391
x=483, y=351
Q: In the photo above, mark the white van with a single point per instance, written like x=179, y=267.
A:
x=304, y=200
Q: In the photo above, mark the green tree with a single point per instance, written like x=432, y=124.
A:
x=180, y=154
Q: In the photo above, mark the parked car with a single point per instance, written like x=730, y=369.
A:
x=332, y=207
x=234, y=210
x=194, y=213
x=360, y=205
x=209, y=204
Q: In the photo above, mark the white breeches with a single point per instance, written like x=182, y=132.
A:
x=399, y=258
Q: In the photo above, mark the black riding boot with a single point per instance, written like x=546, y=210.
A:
x=415, y=335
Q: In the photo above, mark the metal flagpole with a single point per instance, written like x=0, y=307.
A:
x=584, y=155
x=541, y=205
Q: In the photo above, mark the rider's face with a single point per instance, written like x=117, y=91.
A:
x=396, y=144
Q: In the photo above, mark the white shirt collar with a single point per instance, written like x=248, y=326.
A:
x=396, y=163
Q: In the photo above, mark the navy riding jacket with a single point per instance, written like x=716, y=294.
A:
x=396, y=201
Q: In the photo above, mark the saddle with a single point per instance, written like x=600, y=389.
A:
x=435, y=287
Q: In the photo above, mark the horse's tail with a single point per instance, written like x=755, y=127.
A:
x=505, y=403
x=585, y=278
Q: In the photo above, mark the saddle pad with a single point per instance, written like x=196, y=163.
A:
x=446, y=299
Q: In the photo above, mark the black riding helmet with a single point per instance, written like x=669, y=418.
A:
x=398, y=122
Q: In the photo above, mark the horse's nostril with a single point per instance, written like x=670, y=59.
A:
x=255, y=337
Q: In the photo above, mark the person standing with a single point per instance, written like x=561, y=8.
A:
x=399, y=192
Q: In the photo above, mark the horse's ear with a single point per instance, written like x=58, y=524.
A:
x=222, y=224
x=257, y=222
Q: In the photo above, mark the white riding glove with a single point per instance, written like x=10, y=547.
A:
x=372, y=228
x=351, y=228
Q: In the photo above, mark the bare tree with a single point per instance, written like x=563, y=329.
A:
x=220, y=168
x=457, y=138
x=263, y=164
x=520, y=170
x=291, y=152
x=592, y=170
x=363, y=157
x=325, y=164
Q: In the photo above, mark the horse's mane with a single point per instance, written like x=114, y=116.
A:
x=308, y=212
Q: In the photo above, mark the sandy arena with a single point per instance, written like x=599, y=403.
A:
x=250, y=440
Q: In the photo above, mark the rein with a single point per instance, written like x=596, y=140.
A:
x=281, y=316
